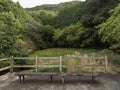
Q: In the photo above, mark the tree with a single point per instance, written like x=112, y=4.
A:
x=69, y=13
x=47, y=35
x=110, y=30
x=70, y=36
x=95, y=13
x=12, y=25
x=9, y=29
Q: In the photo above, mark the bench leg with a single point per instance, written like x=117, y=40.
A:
x=62, y=79
x=20, y=78
x=51, y=78
x=23, y=78
x=93, y=78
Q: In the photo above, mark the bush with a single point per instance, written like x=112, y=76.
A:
x=116, y=59
x=4, y=64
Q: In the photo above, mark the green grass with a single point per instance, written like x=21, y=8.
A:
x=68, y=51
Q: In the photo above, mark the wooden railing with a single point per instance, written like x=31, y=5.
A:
x=60, y=64
x=7, y=67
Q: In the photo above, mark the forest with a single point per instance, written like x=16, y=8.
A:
x=93, y=24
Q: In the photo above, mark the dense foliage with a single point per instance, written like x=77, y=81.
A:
x=110, y=30
x=95, y=12
x=11, y=27
x=71, y=24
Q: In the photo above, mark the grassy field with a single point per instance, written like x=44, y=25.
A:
x=69, y=51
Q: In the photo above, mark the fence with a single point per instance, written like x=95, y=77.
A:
x=82, y=63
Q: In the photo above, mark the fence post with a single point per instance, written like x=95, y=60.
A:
x=106, y=63
x=60, y=67
x=11, y=64
x=92, y=63
x=36, y=64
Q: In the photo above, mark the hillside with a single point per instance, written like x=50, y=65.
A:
x=74, y=24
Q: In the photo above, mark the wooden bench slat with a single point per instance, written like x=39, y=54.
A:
x=36, y=73
x=61, y=74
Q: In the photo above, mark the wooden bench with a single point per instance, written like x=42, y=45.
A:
x=22, y=75
x=93, y=75
x=62, y=75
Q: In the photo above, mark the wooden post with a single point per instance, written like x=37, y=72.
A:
x=62, y=79
x=36, y=64
x=60, y=67
x=106, y=63
x=11, y=64
x=81, y=65
x=92, y=63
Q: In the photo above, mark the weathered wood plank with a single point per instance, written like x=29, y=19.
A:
x=60, y=67
x=37, y=73
x=80, y=65
x=106, y=63
x=80, y=74
x=36, y=64
x=26, y=58
x=4, y=59
x=5, y=68
x=25, y=66
x=60, y=74
x=48, y=66
x=33, y=66
x=11, y=64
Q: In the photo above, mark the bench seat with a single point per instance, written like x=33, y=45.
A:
x=22, y=75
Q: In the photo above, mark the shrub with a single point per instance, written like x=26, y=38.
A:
x=116, y=59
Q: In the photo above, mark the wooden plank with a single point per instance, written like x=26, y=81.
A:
x=60, y=67
x=106, y=63
x=80, y=74
x=36, y=64
x=11, y=64
x=70, y=57
x=94, y=65
x=25, y=66
x=5, y=68
x=62, y=79
x=84, y=57
x=80, y=66
x=39, y=58
x=60, y=74
x=33, y=66
x=48, y=58
x=38, y=73
x=4, y=59
x=27, y=58
x=48, y=66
